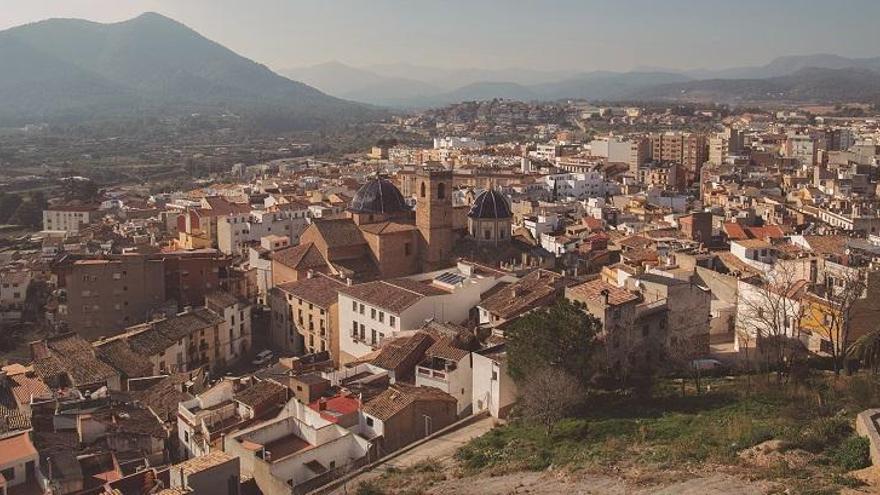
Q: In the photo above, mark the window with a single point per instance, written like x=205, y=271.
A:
x=369, y=419
x=363, y=332
x=391, y=320
x=9, y=474
x=487, y=234
x=373, y=336
x=423, y=190
x=354, y=306
x=362, y=309
x=407, y=249
x=373, y=313
x=441, y=191
x=354, y=329
x=381, y=316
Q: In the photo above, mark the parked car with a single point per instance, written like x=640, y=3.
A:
x=707, y=364
x=263, y=358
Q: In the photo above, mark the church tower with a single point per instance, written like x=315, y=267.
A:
x=434, y=216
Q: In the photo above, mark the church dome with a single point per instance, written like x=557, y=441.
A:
x=490, y=204
x=378, y=196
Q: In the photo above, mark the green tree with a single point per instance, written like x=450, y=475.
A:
x=30, y=212
x=8, y=204
x=560, y=336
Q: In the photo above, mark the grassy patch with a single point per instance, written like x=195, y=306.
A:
x=670, y=431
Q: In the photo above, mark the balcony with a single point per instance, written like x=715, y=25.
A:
x=429, y=373
x=435, y=368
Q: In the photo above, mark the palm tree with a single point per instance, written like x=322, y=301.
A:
x=866, y=349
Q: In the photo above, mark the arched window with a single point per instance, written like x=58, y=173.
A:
x=441, y=191
x=423, y=189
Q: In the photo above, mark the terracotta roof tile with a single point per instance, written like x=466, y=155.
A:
x=300, y=257
x=320, y=290
x=534, y=289
x=592, y=291
x=399, y=397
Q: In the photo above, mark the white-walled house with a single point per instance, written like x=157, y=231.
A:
x=236, y=230
x=754, y=252
x=763, y=312
x=449, y=369
x=493, y=388
x=374, y=311
x=296, y=452
x=19, y=463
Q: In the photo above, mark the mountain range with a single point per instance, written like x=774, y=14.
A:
x=71, y=70
x=75, y=70
x=818, y=77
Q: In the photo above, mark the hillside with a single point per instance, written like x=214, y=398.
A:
x=71, y=70
x=802, y=78
x=805, y=85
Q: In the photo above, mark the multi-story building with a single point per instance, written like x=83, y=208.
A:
x=633, y=151
x=801, y=147
x=103, y=296
x=305, y=316
x=217, y=336
x=69, y=218
x=373, y=311
x=723, y=145
x=664, y=175
x=13, y=292
x=688, y=149
x=236, y=231
x=581, y=185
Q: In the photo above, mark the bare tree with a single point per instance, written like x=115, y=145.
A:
x=832, y=311
x=747, y=342
x=684, y=354
x=770, y=312
x=549, y=395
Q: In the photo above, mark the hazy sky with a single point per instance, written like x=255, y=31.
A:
x=550, y=34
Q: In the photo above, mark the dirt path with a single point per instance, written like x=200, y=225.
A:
x=439, y=450
x=547, y=484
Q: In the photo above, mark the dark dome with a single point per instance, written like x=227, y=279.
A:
x=378, y=196
x=490, y=204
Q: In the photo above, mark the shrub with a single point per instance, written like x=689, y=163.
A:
x=853, y=453
x=368, y=488
x=823, y=433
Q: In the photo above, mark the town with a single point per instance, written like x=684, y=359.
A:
x=288, y=323
x=424, y=248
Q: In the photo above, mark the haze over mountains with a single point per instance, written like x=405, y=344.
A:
x=70, y=70
x=818, y=77
x=75, y=70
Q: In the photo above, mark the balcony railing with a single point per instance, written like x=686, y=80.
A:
x=429, y=373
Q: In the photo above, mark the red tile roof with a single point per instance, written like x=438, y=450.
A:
x=734, y=231
x=592, y=291
x=14, y=450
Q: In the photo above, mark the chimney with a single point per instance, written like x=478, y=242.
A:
x=348, y=281
x=310, y=273
x=322, y=404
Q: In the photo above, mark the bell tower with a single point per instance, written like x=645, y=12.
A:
x=434, y=217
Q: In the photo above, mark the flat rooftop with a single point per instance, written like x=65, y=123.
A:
x=286, y=445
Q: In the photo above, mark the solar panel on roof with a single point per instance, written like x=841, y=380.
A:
x=450, y=278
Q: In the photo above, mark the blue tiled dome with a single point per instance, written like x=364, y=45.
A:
x=378, y=196
x=490, y=204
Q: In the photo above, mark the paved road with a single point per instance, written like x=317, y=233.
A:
x=438, y=449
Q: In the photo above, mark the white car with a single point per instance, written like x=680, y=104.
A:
x=263, y=357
